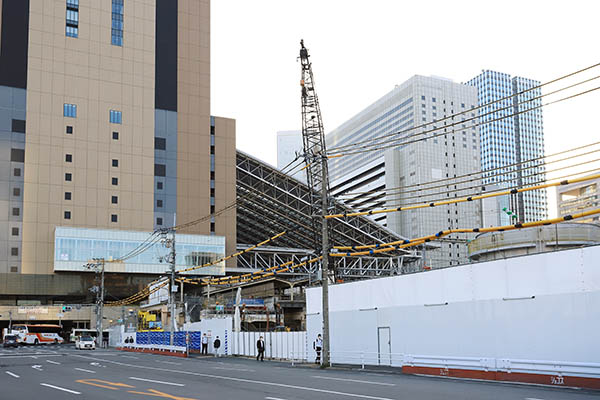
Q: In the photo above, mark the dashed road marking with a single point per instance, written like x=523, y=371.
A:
x=354, y=380
x=85, y=370
x=532, y=398
x=11, y=374
x=244, y=380
x=169, y=362
x=136, y=358
x=37, y=367
x=53, y=362
x=235, y=369
x=59, y=388
x=273, y=398
x=153, y=381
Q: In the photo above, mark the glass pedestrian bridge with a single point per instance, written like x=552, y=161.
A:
x=75, y=247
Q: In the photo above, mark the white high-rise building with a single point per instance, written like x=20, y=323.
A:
x=451, y=150
x=507, y=142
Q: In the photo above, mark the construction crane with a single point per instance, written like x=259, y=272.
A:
x=317, y=174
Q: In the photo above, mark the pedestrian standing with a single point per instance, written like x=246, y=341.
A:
x=217, y=344
x=318, y=346
x=260, y=346
x=204, y=344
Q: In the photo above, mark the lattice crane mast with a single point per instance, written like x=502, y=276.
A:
x=313, y=136
x=315, y=159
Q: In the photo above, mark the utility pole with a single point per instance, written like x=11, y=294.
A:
x=97, y=264
x=325, y=263
x=172, y=259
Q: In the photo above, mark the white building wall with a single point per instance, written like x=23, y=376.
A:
x=542, y=308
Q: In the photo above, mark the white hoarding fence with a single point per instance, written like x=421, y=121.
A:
x=278, y=345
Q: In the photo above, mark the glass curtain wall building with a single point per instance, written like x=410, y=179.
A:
x=511, y=133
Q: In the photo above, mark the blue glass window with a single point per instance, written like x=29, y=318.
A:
x=116, y=117
x=117, y=23
x=70, y=110
x=72, y=28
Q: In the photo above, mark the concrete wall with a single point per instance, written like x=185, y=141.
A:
x=542, y=307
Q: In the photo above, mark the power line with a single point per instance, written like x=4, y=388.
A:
x=402, y=141
x=449, y=181
x=332, y=150
x=462, y=199
x=386, y=247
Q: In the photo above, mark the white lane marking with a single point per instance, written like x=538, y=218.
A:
x=11, y=374
x=85, y=370
x=231, y=378
x=59, y=388
x=37, y=367
x=169, y=362
x=353, y=380
x=532, y=398
x=153, y=381
x=26, y=356
x=235, y=369
x=273, y=398
x=53, y=362
x=136, y=358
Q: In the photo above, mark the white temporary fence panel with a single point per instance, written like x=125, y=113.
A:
x=540, y=308
x=278, y=345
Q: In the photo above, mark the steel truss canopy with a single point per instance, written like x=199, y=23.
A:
x=270, y=201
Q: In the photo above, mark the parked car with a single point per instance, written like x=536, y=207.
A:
x=10, y=341
x=85, y=342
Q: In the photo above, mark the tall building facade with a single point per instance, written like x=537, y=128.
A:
x=391, y=176
x=512, y=133
x=105, y=124
x=289, y=145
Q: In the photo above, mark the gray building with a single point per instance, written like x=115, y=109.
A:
x=579, y=197
x=388, y=177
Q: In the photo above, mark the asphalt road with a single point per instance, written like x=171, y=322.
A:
x=61, y=372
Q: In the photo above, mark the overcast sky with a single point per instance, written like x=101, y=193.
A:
x=361, y=49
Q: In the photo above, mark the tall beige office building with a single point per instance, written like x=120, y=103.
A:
x=105, y=125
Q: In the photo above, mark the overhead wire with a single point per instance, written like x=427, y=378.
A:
x=402, y=141
x=449, y=181
x=391, y=246
x=334, y=148
x=462, y=199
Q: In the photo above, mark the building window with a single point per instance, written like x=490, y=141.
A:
x=67, y=195
x=159, y=203
x=14, y=269
x=14, y=251
x=15, y=231
x=68, y=177
x=115, y=163
x=159, y=185
x=16, y=212
x=69, y=130
x=16, y=192
x=212, y=209
x=160, y=170
x=158, y=221
x=67, y=214
x=70, y=110
x=115, y=135
x=114, y=200
x=17, y=172
x=68, y=157
x=117, y=23
x=115, y=181
x=17, y=155
x=72, y=29
x=18, y=125
x=115, y=117
x=114, y=218
x=212, y=227
x=160, y=143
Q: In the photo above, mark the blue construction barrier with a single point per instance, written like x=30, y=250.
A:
x=164, y=338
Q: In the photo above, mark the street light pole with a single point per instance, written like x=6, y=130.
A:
x=99, y=302
x=172, y=291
